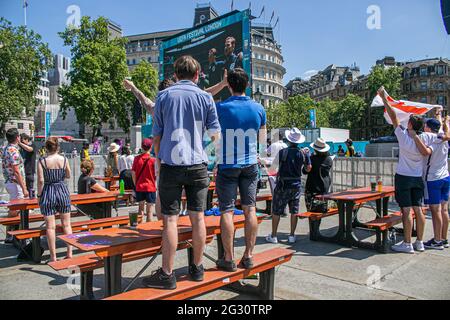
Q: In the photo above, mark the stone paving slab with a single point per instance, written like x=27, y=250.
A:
x=317, y=271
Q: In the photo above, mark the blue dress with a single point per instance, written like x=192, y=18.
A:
x=55, y=197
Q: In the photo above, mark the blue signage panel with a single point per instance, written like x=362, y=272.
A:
x=48, y=120
x=312, y=118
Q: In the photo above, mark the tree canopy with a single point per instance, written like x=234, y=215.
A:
x=145, y=78
x=24, y=57
x=98, y=69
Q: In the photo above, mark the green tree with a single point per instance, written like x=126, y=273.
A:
x=348, y=113
x=390, y=78
x=23, y=59
x=98, y=69
x=145, y=78
x=295, y=113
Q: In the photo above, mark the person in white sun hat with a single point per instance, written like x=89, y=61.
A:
x=291, y=162
x=319, y=178
x=113, y=158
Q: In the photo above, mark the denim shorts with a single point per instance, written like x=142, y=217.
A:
x=228, y=182
x=286, y=197
x=172, y=180
x=149, y=197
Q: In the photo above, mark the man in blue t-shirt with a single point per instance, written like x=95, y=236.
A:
x=242, y=120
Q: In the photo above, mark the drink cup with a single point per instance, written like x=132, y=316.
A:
x=134, y=219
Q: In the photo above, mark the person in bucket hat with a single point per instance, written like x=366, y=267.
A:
x=291, y=162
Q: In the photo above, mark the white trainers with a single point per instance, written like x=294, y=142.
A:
x=418, y=246
x=403, y=247
x=292, y=239
x=271, y=239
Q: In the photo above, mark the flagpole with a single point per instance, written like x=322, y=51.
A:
x=25, y=4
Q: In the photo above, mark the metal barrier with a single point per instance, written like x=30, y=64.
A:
x=347, y=173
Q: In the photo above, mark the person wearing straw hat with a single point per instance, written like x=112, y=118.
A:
x=291, y=162
x=319, y=178
x=113, y=158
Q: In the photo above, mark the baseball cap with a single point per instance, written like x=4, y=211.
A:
x=147, y=144
x=433, y=124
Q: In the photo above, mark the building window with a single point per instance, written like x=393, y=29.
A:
x=440, y=86
x=423, y=85
x=440, y=70
x=424, y=100
x=441, y=100
x=20, y=125
x=423, y=72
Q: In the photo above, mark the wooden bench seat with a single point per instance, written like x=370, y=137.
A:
x=86, y=264
x=78, y=226
x=382, y=227
x=267, y=198
x=264, y=264
x=15, y=221
x=81, y=226
x=316, y=215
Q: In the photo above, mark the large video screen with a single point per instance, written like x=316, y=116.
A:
x=218, y=45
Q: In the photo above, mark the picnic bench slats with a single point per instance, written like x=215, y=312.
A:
x=317, y=215
x=214, y=279
x=76, y=227
x=13, y=221
x=92, y=262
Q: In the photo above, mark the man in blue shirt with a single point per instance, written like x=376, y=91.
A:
x=242, y=120
x=183, y=113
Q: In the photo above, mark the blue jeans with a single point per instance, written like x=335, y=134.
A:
x=228, y=182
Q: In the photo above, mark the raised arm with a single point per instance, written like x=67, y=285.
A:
x=215, y=90
x=383, y=94
x=423, y=149
x=148, y=104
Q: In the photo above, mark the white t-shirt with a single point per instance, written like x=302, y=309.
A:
x=411, y=161
x=436, y=165
x=125, y=162
x=275, y=148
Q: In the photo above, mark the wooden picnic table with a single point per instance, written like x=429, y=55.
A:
x=349, y=203
x=108, y=180
x=112, y=244
x=25, y=205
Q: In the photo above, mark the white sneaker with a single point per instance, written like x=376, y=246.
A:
x=403, y=247
x=418, y=246
x=271, y=239
x=292, y=239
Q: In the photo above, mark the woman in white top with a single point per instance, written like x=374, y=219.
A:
x=126, y=159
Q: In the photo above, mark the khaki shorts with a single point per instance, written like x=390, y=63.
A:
x=14, y=190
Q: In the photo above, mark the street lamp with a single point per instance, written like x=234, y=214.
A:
x=258, y=96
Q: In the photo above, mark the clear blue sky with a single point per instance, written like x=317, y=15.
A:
x=314, y=33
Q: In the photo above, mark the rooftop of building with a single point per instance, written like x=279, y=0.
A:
x=426, y=62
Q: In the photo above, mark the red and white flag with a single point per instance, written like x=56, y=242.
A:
x=404, y=109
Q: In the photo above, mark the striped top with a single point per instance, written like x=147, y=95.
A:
x=55, y=197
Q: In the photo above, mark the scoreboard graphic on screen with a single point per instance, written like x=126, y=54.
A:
x=218, y=45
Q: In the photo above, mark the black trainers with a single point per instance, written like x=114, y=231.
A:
x=228, y=266
x=433, y=244
x=246, y=263
x=160, y=280
x=197, y=273
x=445, y=244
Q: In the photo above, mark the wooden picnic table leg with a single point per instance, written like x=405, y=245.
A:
x=24, y=220
x=350, y=238
x=113, y=275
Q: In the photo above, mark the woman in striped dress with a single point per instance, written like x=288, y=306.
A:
x=53, y=194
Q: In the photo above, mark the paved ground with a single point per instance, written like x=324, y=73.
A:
x=317, y=271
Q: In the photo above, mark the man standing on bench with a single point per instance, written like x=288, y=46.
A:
x=241, y=119
x=409, y=187
x=183, y=113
